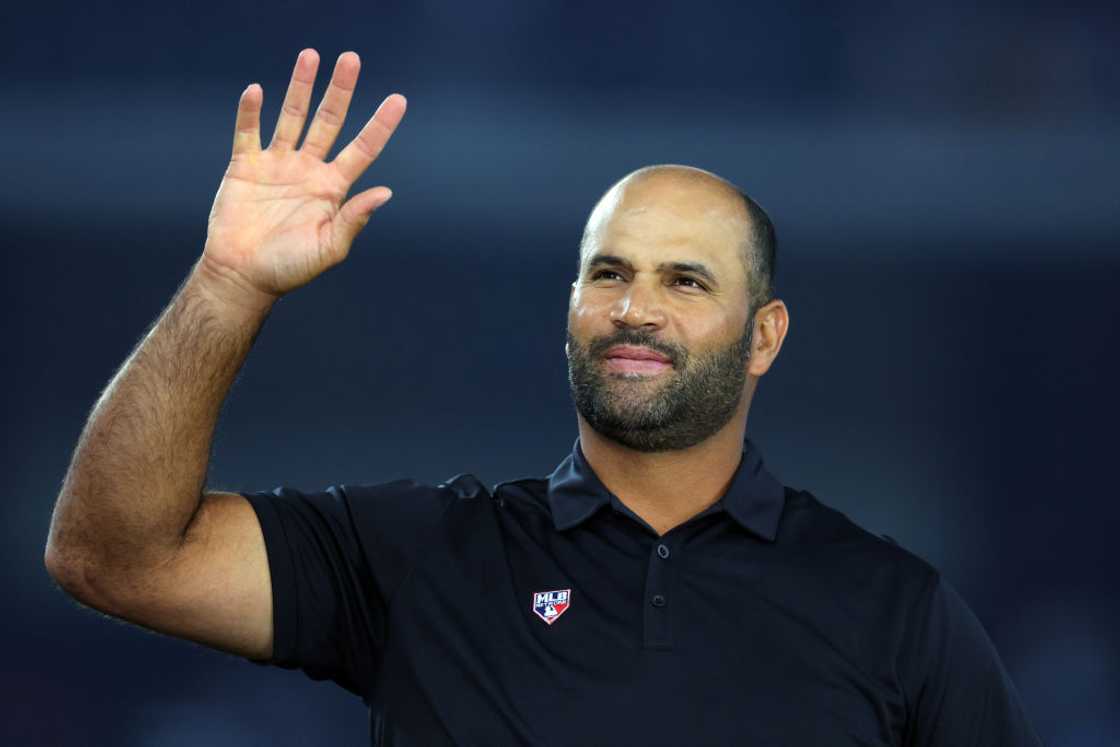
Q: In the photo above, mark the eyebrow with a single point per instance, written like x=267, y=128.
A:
x=696, y=268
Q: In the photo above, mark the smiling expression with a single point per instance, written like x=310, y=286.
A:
x=658, y=334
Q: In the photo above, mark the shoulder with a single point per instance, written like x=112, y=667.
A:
x=407, y=498
x=463, y=486
x=847, y=571
x=522, y=491
x=407, y=505
x=375, y=516
x=812, y=527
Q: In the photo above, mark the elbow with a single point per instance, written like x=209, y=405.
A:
x=83, y=581
x=61, y=556
x=67, y=570
x=74, y=570
x=70, y=562
x=88, y=577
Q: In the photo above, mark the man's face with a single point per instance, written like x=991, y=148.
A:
x=658, y=335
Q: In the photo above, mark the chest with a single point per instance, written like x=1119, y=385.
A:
x=512, y=637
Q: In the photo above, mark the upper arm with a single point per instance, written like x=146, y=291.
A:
x=293, y=579
x=214, y=588
x=960, y=692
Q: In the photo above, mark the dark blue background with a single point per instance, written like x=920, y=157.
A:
x=943, y=180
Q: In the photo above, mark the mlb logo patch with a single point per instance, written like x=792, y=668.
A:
x=549, y=605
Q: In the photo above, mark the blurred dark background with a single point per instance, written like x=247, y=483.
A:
x=943, y=177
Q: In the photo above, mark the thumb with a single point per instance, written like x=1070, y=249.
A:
x=355, y=213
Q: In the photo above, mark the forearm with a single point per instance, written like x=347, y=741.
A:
x=138, y=471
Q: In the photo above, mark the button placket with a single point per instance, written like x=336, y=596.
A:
x=659, y=577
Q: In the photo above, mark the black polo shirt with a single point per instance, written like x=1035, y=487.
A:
x=545, y=612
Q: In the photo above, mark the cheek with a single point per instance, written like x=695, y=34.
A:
x=710, y=334
x=586, y=312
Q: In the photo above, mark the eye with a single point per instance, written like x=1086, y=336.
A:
x=598, y=274
x=694, y=282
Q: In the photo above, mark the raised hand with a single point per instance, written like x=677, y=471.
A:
x=278, y=219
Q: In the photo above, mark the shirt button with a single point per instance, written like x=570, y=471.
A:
x=657, y=600
x=663, y=551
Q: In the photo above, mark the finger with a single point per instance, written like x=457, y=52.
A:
x=362, y=150
x=247, y=129
x=294, y=111
x=356, y=212
x=332, y=109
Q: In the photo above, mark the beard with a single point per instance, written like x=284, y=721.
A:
x=676, y=410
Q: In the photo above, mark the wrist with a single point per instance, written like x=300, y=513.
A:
x=228, y=289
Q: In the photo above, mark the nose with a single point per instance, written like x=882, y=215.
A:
x=638, y=307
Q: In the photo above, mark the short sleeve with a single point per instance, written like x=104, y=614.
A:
x=336, y=557
x=958, y=692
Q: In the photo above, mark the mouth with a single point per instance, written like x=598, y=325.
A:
x=634, y=359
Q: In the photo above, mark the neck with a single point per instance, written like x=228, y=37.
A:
x=670, y=487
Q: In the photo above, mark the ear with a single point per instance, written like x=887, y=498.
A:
x=771, y=323
x=571, y=298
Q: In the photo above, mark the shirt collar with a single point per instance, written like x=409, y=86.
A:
x=754, y=499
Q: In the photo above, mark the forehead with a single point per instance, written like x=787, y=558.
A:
x=669, y=218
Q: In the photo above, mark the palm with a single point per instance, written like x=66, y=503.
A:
x=279, y=219
x=276, y=217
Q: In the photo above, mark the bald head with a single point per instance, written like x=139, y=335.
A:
x=694, y=194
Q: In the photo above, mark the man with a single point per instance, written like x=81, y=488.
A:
x=659, y=587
